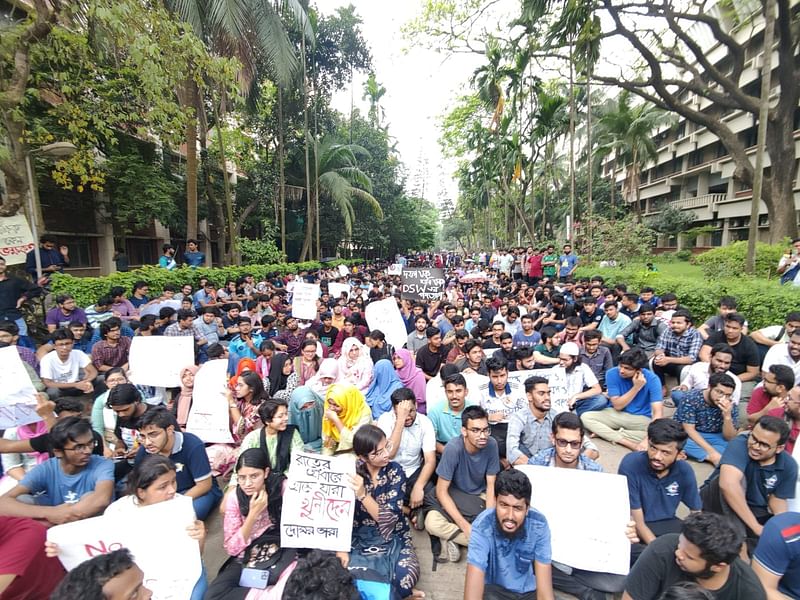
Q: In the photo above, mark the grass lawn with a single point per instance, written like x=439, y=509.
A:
x=680, y=269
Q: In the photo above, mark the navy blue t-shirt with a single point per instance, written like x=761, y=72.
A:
x=778, y=551
x=778, y=479
x=658, y=498
x=466, y=471
x=190, y=458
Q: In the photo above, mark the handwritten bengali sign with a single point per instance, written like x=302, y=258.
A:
x=304, y=300
x=18, y=396
x=318, y=504
x=16, y=239
x=556, y=378
x=157, y=539
x=578, y=538
x=422, y=284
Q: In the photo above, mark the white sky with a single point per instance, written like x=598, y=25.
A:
x=420, y=87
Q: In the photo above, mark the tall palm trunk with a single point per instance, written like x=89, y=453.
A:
x=571, y=142
x=306, y=250
x=192, y=100
x=589, y=163
x=281, y=173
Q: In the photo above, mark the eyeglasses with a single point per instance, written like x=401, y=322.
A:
x=82, y=448
x=754, y=441
x=574, y=444
x=478, y=431
x=143, y=437
x=386, y=450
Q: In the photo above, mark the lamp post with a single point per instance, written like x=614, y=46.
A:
x=55, y=150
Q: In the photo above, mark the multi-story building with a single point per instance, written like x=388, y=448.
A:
x=694, y=172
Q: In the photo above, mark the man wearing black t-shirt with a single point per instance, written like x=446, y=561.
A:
x=706, y=552
x=431, y=357
x=746, y=359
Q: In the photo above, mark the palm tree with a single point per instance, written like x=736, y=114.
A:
x=341, y=182
x=552, y=121
x=374, y=91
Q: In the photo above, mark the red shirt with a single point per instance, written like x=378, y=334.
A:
x=22, y=554
x=758, y=400
x=535, y=265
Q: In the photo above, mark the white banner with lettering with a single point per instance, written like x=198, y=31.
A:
x=18, y=396
x=304, y=300
x=16, y=239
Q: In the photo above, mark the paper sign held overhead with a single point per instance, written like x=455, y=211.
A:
x=385, y=316
x=158, y=361
x=16, y=239
x=18, y=397
x=422, y=284
x=304, y=301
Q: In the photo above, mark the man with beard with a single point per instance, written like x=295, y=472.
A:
x=787, y=354
x=754, y=478
x=465, y=486
x=583, y=388
x=678, y=347
x=292, y=338
x=509, y=557
x=75, y=484
x=417, y=338
x=695, y=377
x=706, y=552
x=126, y=402
x=771, y=397
x=530, y=431
x=658, y=482
x=745, y=354
x=709, y=418
x=643, y=331
x=500, y=398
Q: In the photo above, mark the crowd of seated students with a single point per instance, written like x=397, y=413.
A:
x=435, y=427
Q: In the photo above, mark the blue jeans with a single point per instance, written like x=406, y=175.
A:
x=206, y=503
x=200, y=588
x=23, y=326
x=716, y=440
x=598, y=402
x=677, y=397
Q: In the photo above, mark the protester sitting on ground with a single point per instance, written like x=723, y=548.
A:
x=103, y=418
x=351, y=328
x=243, y=403
x=379, y=393
x=355, y=364
x=596, y=356
x=306, y=408
x=776, y=561
x=282, y=379
x=245, y=343
x=158, y=435
x=445, y=415
x=379, y=522
x=465, y=484
x=16, y=464
x=112, y=576
x=25, y=571
x=433, y=355
x=474, y=360
x=411, y=376
x=503, y=535
x=643, y=331
x=706, y=552
x=65, y=312
x=546, y=353
x=771, y=335
x=75, y=484
x=716, y=323
x=754, y=479
x=126, y=403
x=612, y=324
x=566, y=443
x=66, y=371
x=709, y=418
x=695, y=377
x=787, y=354
x=345, y=412
x=635, y=396
x=277, y=438
x=771, y=397
x=746, y=358
x=678, y=347
x=411, y=444
x=321, y=576
x=501, y=398
x=307, y=364
x=583, y=388
x=417, y=338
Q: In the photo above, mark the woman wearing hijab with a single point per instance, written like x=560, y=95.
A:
x=305, y=413
x=411, y=376
x=345, y=411
x=327, y=375
x=184, y=400
x=355, y=364
x=384, y=382
x=246, y=365
x=282, y=379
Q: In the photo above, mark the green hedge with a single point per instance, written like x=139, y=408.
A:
x=729, y=261
x=763, y=302
x=87, y=290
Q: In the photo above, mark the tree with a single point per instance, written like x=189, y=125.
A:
x=671, y=221
x=374, y=91
x=677, y=75
x=623, y=240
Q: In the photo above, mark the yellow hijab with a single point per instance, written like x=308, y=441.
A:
x=353, y=405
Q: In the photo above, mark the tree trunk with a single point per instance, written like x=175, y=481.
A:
x=307, y=241
x=191, y=162
x=232, y=255
x=281, y=173
x=571, y=142
x=587, y=228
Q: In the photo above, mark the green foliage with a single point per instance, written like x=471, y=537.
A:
x=762, y=302
x=260, y=252
x=623, y=240
x=729, y=261
x=88, y=289
x=671, y=221
x=684, y=255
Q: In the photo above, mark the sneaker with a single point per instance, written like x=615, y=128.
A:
x=453, y=551
x=668, y=403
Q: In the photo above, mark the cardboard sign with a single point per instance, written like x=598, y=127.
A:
x=16, y=239
x=18, y=397
x=158, y=360
x=556, y=377
x=422, y=284
x=385, y=316
x=209, y=418
x=155, y=308
x=337, y=289
x=577, y=536
x=318, y=504
x=304, y=300
x=343, y=270
x=157, y=539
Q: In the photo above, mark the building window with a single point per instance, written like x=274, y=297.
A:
x=716, y=238
x=80, y=252
x=141, y=252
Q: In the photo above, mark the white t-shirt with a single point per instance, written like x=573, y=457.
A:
x=695, y=377
x=771, y=333
x=779, y=355
x=51, y=367
x=414, y=441
x=581, y=377
x=507, y=404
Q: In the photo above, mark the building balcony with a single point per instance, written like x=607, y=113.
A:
x=703, y=206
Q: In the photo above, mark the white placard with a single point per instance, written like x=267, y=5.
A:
x=395, y=269
x=304, y=300
x=344, y=271
x=209, y=418
x=18, y=397
x=335, y=289
x=159, y=360
x=556, y=378
x=318, y=504
x=155, y=308
x=157, y=539
x=385, y=316
x=16, y=239
x=578, y=537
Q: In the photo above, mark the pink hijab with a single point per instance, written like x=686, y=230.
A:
x=185, y=399
x=412, y=377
